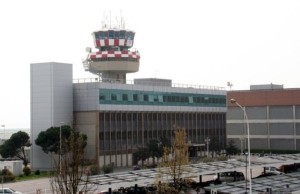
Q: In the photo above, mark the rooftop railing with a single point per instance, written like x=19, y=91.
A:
x=161, y=84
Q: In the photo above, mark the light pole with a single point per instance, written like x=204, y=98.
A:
x=60, y=146
x=248, y=134
x=207, y=140
x=242, y=141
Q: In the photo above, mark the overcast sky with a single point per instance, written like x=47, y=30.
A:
x=191, y=42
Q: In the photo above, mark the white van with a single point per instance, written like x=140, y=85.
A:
x=8, y=191
x=272, y=170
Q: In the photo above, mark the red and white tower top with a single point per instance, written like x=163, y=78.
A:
x=114, y=56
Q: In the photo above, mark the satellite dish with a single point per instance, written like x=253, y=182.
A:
x=88, y=49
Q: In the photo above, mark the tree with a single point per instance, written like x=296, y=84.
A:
x=165, y=142
x=231, y=148
x=155, y=149
x=70, y=175
x=173, y=164
x=49, y=140
x=141, y=154
x=15, y=147
x=214, y=145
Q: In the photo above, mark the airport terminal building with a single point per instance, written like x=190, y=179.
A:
x=273, y=114
x=118, y=115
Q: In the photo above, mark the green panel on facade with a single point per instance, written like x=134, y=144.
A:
x=135, y=97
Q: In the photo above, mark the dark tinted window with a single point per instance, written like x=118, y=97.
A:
x=122, y=34
x=105, y=35
x=117, y=34
x=111, y=34
x=101, y=35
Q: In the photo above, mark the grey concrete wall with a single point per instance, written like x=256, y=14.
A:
x=88, y=123
x=259, y=143
x=282, y=144
x=86, y=96
x=281, y=112
x=235, y=129
x=281, y=128
x=234, y=113
x=256, y=112
x=297, y=128
x=266, y=122
x=51, y=103
x=297, y=112
x=258, y=128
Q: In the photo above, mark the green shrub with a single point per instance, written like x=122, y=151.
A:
x=37, y=172
x=94, y=169
x=26, y=170
x=207, y=160
x=271, y=151
x=107, y=168
x=7, y=175
x=221, y=158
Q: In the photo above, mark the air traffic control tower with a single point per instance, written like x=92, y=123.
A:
x=113, y=58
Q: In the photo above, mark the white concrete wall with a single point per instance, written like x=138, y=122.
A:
x=51, y=103
x=16, y=167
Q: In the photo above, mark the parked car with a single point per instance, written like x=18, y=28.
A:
x=272, y=170
x=230, y=176
x=9, y=191
x=136, y=167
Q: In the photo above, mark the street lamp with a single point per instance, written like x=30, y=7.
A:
x=207, y=140
x=248, y=134
x=242, y=142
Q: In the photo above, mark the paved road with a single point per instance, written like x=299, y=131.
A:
x=30, y=187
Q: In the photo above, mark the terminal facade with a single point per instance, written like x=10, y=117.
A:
x=120, y=116
x=273, y=114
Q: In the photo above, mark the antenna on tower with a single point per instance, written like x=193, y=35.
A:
x=229, y=84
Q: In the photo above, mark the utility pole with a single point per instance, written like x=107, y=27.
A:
x=207, y=140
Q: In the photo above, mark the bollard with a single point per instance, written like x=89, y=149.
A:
x=135, y=188
x=109, y=190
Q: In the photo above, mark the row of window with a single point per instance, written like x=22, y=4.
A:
x=108, y=96
x=111, y=34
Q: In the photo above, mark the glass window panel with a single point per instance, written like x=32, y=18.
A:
x=117, y=34
x=105, y=35
x=111, y=34
x=122, y=34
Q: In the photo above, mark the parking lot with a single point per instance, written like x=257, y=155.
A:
x=127, y=178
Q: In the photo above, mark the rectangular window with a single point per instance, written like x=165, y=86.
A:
x=122, y=34
x=113, y=97
x=97, y=35
x=146, y=98
x=125, y=97
x=135, y=97
x=105, y=35
x=150, y=98
x=101, y=34
x=111, y=34
x=119, y=97
x=161, y=98
x=117, y=34
x=102, y=97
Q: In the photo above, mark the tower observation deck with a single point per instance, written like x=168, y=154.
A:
x=113, y=58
